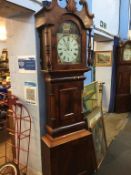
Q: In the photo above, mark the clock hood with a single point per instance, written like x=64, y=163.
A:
x=51, y=11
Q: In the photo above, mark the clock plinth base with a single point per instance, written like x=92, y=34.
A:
x=70, y=154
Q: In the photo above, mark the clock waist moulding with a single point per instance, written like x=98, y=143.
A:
x=67, y=147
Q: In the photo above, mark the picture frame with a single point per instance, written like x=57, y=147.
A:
x=89, y=97
x=99, y=140
x=103, y=58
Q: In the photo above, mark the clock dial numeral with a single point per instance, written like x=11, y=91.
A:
x=61, y=54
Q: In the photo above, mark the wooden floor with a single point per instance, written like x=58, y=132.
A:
x=4, y=148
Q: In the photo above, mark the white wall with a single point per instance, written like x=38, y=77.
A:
x=2, y=45
x=33, y=5
x=21, y=41
x=104, y=73
x=107, y=11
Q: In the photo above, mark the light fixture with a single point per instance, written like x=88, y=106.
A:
x=3, y=32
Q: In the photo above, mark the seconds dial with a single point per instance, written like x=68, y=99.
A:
x=68, y=49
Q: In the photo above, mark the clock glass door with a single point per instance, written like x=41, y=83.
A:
x=68, y=44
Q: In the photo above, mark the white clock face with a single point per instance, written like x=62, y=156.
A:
x=68, y=49
x=127, y=53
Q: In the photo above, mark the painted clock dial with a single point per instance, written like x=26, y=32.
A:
x=68, y=44
x=127, y=53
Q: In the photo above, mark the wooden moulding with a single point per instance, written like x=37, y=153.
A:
x=52, y=142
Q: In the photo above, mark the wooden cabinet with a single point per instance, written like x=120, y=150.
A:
x=71, y=154
x=4, y=73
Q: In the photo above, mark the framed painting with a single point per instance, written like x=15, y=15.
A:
x=89, y=97
x=99, y=140
x=103, y=58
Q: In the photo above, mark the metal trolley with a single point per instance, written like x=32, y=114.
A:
x=16, y=147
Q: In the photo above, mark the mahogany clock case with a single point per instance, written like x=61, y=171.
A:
x=67, y=135
x=48, y=25
x=55, y=65
x=123, y=78
x=124, y=53
x=64, y=82
x=71, y=154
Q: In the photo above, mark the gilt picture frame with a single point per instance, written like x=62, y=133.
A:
x=103, y=58
x=99, y=139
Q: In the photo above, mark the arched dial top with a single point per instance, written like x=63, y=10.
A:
x=68, y=44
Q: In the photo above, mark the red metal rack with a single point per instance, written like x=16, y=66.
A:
x=18, y=126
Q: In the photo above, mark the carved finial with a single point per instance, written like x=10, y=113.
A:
x=71, y=6
x=47, y=5
x=85, y=6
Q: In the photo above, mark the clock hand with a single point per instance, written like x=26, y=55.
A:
x=66, y=44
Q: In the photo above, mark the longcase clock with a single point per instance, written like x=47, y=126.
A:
x=123, y=78
x=67, y=147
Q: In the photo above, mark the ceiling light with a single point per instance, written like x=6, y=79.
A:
x=3, y=32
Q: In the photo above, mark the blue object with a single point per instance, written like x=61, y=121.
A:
x=27, y=64
x=3, y=91
x=113, y=78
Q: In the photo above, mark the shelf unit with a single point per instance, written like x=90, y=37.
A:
x=4, y=73
x=18, y=126
x=4, y=69
x=3, y=111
